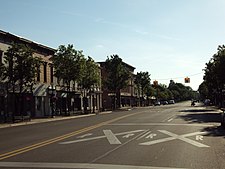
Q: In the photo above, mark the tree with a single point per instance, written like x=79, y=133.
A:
x=142, y=80
x=68, y=66
x=180, y=92
x=90, y=77
x=117, y=77
x=21, y=69
x=214, y=76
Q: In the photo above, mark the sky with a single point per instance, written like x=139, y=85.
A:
x=171, y=39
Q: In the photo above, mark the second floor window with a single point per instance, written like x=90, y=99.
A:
x=38, y=74
x=45, y=72
x=1, y=56
x=51, y=73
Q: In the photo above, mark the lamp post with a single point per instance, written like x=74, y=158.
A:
x=52, y=93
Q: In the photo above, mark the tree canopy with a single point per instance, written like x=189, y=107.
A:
x=214, y=79
x=20, y=66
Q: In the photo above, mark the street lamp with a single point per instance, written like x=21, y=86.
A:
x=52, y=93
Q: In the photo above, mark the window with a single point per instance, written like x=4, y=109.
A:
x=51, y=73
x=1, y=56
x=38, y=74
x=45, y=72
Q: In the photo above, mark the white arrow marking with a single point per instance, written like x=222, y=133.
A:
x=85, y=135
x=198, y=137
x=128, y=135
x=111, y=137
x=100, y=137
x=151, y=135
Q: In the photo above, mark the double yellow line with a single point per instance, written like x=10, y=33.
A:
x=60, y=138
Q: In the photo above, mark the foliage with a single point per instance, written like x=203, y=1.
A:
x=68, y=64
x=20, y=66
x=117, y=74
x=90, y=75
x=203, y=90
x=142, y=80
x=117, y=77
x=214, y=79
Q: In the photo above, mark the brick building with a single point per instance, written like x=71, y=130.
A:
x=128, y=94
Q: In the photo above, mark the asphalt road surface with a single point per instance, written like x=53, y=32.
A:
x=162, y=137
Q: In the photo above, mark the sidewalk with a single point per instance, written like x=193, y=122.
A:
x=57, y=118
x=49, y=119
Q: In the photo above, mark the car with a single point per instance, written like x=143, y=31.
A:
x=171, y=102
x=164, y=102
x=223, y=118
x=157, y=103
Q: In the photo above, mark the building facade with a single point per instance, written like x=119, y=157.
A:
x=127, y=95
x=47, y=96
x=35, y=102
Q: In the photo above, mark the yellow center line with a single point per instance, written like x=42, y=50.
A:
x=59, y=138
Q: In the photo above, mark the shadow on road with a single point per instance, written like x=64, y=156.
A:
x=197, y=115
x=203, y=117
x=216, y=131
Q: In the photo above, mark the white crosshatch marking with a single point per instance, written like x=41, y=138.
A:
x=100, y=137
x=112, y=137
x=179, y=137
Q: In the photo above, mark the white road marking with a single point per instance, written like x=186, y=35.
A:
x=163, y=124
x=99, y=137
x=151, y=135
x=170, y=120
x=198, y=137
x=75, y=165
x=85, y=135
x=116, y=148
x=145, y=134
x=128, y=135
x=181, y=137
x=174, y=137
x=111, y=137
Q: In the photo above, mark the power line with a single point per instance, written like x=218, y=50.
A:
x=182, y=76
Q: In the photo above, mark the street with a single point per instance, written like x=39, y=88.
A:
x=169, y=136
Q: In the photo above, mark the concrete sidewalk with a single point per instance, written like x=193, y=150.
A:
x=57, y=118
x=49, y=119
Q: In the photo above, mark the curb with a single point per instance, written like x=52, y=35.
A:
x=45, y=120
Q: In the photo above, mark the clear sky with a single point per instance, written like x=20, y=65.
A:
x=167, y=38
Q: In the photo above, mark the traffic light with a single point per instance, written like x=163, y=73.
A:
x=186, y=80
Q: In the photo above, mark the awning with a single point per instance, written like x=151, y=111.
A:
x=40, y=90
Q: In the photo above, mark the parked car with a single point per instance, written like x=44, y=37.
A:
x=171, y=102
x=157, y=103
x=164, y=102
x=223, y=118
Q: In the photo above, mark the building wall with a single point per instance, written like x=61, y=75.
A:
x=40, y=102
x=127, y=94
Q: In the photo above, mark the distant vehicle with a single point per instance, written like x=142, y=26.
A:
x=207, y=102
x=164, y=102
x=171, y=102
x=223, y=118
x=157, y=103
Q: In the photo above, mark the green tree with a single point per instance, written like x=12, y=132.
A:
x=117, y=77
x=21, y=69
x=142, y=81
x=214, y=75
x=90, y=77
x=68, y=66
x=180, y=92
